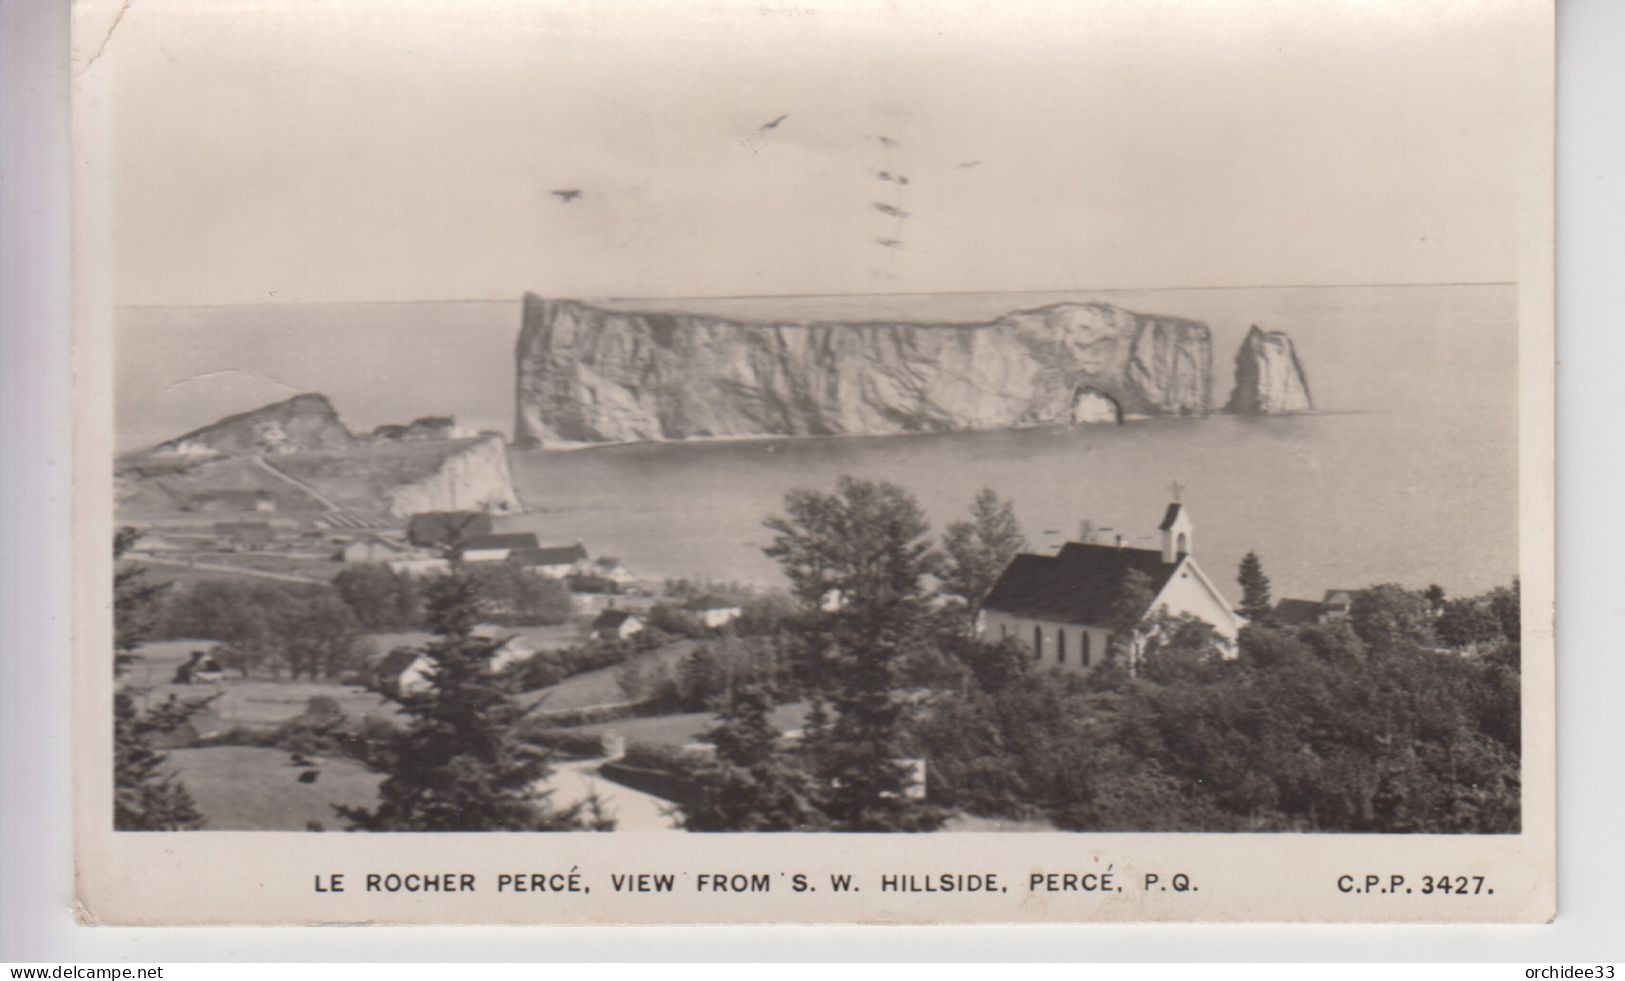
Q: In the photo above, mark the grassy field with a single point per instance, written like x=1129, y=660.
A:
x=685, y=728
x=246, y=788
x=600, y=687
x=257, y=702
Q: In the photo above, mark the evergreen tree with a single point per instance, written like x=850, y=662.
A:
x=147, y=796
x=865, y=545
x=459, y=765
x=1255, y=589
x=979, y=549
x=752, y=784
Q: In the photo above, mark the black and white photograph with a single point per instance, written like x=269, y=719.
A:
x=1044, y=423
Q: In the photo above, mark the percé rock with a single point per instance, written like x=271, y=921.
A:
x=588, y=374
x=1269, y=377
x=475, y=478
x=302, y=423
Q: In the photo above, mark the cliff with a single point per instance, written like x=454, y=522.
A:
x=296, y=456
x=473, y=478
x=589, y=374
x=304, y=422
x=1269, y=377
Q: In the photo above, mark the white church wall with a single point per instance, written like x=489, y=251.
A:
x=1186, y=592
x=997, y=626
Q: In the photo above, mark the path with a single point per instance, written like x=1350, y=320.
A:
x=238, y=570
x=633, y=810
x=306, y=488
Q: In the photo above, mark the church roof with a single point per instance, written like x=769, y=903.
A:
x=1170, y=516
x=1077, y=586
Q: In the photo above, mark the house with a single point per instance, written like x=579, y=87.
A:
x=1297, y=612
x=420, y=566
x=611, y=569
x=1301, y=612
x=552, y=561
x=374, y=548
x=616, y=625
x=440, y=529
x=1061, y=606
x=402, y=671
x=713, y=611
x=1336, y=604
x=494, y=548
x=512, y=648
x=200, y=669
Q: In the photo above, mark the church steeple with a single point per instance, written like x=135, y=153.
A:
x=1178, y=532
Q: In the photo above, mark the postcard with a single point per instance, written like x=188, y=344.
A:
x=546, y=463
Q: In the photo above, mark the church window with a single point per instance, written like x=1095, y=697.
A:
x=1085, y=652
x=1060, y=645
x=1038, y=642
x=1182, y=544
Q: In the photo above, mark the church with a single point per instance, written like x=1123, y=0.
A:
x=1059, y=606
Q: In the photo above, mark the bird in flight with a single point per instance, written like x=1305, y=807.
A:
x=968, y=164
x=568, y=195
x=887, y=209
x=775, y=123
x=887, y=142
x=890, y=243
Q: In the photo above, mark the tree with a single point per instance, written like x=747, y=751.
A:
x=866, y=545
x=1127, y=619
x=459, y=764
x=752, y=783
x=1255, y=589
x=508, y=589
x=380, y=597
x=978, y=550
x=147, y=796
x=1389, y=617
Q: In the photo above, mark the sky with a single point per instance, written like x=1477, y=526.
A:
x=293, y=151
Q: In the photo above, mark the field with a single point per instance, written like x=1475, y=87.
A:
x=687, y=727
x=601, y=687
x=247, y=788
x=256, y=702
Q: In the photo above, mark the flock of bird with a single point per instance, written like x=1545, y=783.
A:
x=886, y=174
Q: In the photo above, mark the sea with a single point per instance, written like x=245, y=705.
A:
x=1407, y=472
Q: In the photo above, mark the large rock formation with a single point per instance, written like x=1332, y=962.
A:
x=472, y=478
x=589, y=374
x=298, y=456
x=304, y=422
x=1269, y=378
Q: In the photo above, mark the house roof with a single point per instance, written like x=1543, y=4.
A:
x=439, y=527
x=1170, y=516
x=397, y=661
x=1077, y=586
x=612, y=618
x=712, y=602
x=547, y=554
x=1296, y=612
x=1339, y=595
x=516, y=540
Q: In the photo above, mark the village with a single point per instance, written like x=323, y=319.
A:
x=622, y=679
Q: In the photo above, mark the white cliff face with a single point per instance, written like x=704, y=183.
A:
x=592, y=375
x=1269, y=378
x=472, y=479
